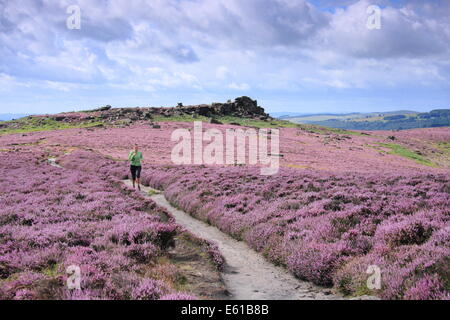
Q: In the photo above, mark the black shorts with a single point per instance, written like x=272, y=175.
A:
x=136, y=172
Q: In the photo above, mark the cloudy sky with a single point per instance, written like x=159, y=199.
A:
x=291, y=55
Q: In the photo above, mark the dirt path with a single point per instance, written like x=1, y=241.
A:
x=247, y=274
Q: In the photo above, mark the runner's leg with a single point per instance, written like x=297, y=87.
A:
x=133, y=175
x=138, y=176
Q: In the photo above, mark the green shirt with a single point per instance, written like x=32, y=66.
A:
x=135, y=158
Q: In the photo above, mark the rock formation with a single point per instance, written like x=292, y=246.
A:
x=241, y=107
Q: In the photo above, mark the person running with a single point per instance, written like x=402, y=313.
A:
x=135, y=158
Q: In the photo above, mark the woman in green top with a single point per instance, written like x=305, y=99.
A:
x=135, y=158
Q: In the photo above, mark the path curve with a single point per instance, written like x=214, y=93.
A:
x=247, y=275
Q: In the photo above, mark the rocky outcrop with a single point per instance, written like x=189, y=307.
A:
x=241, y=107
x=105, y=108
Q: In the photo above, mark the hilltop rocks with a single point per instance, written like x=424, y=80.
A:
x=126, y=115
x=105, y=108
x=241, y=107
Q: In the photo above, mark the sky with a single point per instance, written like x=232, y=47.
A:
x=290, y=55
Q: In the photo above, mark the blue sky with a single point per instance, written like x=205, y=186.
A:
x=290, y=55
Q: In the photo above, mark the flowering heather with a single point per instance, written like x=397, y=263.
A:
x=52, y=218
x=425, y=134
x=340, y=203
x=95, y=163
x=178, y=296
x=299, y=148
x=328, y=228
x=149, y=290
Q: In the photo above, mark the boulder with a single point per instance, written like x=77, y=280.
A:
x=59, y=118
x=105, y=108
x=214, y=121
x=147, y=115
x=204, y=110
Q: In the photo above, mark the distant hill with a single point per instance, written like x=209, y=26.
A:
x=395, y=120
x=11, y=116
x=281, y=115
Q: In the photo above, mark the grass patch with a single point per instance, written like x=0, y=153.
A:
x=401, y=151
x=152, y=192
x=249, y=122
x=297, y=166
x=245, y=122
x=51, y=271
x=326, y=130
x=363, y=290
x=444, y=147
x=25, y=125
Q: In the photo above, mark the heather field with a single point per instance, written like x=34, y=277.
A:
x=52, y=218
x=341, y=202
x=327, y=228
x=303, y=147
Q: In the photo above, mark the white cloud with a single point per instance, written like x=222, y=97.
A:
x=209, y=47
x=239, y=86
x=222, y=73
x=8, y=83
x=404, y=32
x=61, y=86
